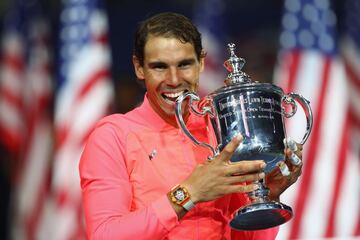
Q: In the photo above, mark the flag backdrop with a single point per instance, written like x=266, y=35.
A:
x=84, y=95
x=47, y=189
x=25, y=101
x=12, y=72
x=350, y=47
x=326, y=199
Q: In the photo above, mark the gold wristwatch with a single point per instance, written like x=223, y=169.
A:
x=180, y=196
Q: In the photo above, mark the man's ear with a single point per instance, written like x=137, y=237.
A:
x=139, y=70
x=202, y=60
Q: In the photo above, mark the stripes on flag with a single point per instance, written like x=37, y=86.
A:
x=325, y=200
x=11, y=80
x=84, y=96
x=26, y=98
x=351, y=54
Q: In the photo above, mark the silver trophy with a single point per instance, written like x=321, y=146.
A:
x=257, y=111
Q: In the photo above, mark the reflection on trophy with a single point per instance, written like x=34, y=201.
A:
x=257, y=111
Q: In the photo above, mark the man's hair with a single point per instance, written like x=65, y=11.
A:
x=168, y=25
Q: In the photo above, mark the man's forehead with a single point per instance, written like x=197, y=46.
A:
x=164, y=49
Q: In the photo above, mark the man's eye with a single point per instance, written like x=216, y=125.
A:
x=159, y=67
x=184, y=65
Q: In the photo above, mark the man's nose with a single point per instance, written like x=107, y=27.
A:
x=174, y=77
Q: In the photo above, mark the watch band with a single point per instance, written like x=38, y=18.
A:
x=188, y=205
x=183, y=199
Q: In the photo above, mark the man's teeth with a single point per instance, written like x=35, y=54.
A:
x=173, y=95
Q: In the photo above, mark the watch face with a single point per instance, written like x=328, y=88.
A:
x=179, y=194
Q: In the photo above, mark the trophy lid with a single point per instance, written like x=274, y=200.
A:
x=234, y=65
x=238, y=80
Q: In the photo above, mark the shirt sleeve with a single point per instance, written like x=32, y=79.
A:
x=107, y=194
x=237, y=201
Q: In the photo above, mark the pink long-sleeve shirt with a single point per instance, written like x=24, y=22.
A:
x=129, y=164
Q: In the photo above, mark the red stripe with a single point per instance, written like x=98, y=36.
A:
x=102, y=39
x=12, y=139
x=355, y=120
x=339, y=178
x=309, y=160
x=98, y=76
x=294, y=59
x=15, y=100
x=353, y=77
x=14, y=62
x=32, y=220
x=36, y=113
x=62, y=132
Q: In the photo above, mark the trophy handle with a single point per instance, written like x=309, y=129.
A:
x=305, y=104
x=179, y=118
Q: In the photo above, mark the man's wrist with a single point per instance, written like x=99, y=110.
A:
x=180, y=196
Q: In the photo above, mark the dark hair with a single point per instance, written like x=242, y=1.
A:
x=169, y=25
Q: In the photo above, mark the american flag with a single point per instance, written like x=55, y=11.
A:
x=84, y=95
x=326, y=198
x=350, y=47
x=13, y=49
x=26, y=94
x=209, y=18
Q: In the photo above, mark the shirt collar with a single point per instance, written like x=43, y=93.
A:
x=154, y=120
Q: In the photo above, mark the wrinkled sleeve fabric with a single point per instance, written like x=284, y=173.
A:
x=238, y=200
x=107, y=193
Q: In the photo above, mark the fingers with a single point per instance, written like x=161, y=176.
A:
x=295, y=153
x=283, y=168
x=229, y=149
x=294, y=148
x=245, y=178
x=245, y=167
x=241, y=188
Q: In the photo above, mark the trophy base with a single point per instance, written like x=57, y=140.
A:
x=261, y=216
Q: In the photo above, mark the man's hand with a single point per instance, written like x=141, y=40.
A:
x=276, y=182
x=219, y=177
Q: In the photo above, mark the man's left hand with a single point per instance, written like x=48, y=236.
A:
x=277, y=182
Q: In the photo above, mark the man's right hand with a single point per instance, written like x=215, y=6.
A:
x=219, y=176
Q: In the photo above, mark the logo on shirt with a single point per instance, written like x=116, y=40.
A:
x=152, y=154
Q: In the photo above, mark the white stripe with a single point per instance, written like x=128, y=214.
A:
x=35, y=168
x=11, y=117
x=321, y=189
x=91, y=108
x=353, y=59
x=352, y=53
x=12, y=80
x=308, y=84
x=90, y=60
x=296, y=125
x=348, y=209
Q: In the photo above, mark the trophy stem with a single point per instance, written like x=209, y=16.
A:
x=261, y=213
x=261, y=194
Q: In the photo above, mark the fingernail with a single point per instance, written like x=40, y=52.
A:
x=239, y=137
x=263, y=165
x=295, y=159
x=262, y=175
x=292, y=145
x=285, y=142
x=283, y=168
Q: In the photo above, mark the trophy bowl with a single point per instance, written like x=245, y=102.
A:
x=257, y=112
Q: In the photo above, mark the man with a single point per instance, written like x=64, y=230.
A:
x=142, y=178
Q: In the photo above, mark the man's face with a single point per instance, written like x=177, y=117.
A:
x=170, y=69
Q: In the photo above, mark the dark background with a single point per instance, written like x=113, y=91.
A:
x=253, y=25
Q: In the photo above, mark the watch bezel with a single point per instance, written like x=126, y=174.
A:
x=175, y=199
